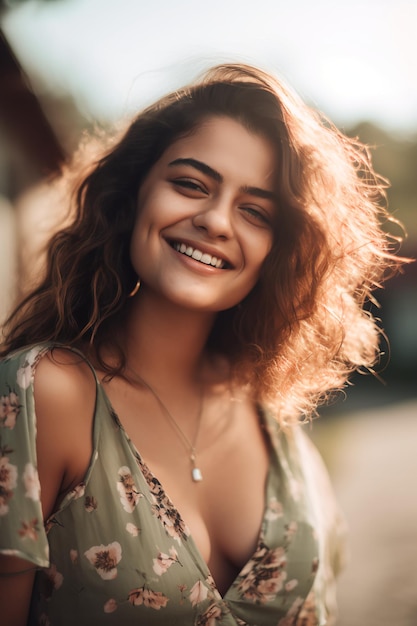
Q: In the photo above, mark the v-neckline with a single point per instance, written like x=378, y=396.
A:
x=199, y=559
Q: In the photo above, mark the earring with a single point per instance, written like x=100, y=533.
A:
x=135, y=289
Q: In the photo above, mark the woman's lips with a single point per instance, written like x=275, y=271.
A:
x=199, y=255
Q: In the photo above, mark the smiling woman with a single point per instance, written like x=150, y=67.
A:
x=207, y=295
x=210, y=193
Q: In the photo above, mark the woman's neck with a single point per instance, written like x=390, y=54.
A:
x=164, y=342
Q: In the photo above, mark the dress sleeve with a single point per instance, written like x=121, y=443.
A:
x=22, y=531
x=331, y=528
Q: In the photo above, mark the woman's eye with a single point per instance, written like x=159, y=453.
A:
x=256, y=215
x=192, y=185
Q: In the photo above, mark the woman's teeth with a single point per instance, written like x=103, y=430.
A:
x=197, y=255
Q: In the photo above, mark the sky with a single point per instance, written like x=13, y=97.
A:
x=354, y=60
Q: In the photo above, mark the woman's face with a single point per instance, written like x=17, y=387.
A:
x=205, y=214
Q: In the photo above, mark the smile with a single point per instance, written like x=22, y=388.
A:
x=198, y=255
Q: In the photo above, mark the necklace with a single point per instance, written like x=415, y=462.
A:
x=196, y=474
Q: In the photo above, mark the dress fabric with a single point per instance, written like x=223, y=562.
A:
x=117, y=551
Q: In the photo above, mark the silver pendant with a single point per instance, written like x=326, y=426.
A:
x=196, y=474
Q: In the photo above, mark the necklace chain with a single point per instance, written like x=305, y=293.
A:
x=196, y=474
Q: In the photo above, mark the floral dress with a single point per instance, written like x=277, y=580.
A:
x=117, y=551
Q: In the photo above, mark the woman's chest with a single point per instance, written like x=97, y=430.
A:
x=124, y=544
x=224, y=511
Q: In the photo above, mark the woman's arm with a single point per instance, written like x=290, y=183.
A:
x=16, y=581
x=64, y=393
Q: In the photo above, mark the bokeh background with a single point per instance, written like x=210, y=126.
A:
x=68, y=67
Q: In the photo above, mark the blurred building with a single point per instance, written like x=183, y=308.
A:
x=32, y=153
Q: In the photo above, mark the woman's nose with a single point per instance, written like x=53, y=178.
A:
x=215, y=219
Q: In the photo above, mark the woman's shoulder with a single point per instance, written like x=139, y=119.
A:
x=63, y=373
x=65, y=398
x=49, y=391
x=53, y=363
x=52, y=372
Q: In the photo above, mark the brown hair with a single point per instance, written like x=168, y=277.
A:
x=303, y=329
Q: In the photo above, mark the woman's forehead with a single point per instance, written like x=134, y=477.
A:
x=221, y=142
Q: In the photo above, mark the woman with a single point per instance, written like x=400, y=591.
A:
x=207, y=295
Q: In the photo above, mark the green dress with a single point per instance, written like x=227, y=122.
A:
x=117, y=552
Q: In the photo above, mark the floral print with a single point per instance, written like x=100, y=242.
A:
x=132, y=529
x=264, y=574
x=25, y=373
x=307, y=615
x=9, y=410
x=8, y=482
x=31, y=482
x=78, y=491
x=290, y=530
x=162, y=507
x=52, y=581
x=151, y=599
x=117, y=551
x=291, y=617
x=30, y=529
x=129, y=495
x=210, y=617
x=274, y=509
x=110, y=606
x=90, y=503
x=290, y=585
x=164, y=561
x=301, y=613
x=105, y=559
x=198, y=593
x=56, y=579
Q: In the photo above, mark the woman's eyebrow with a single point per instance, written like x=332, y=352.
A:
x=199, y=165
x=209, y=171
x=260, y=193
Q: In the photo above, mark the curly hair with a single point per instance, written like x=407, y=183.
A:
x=303, y=329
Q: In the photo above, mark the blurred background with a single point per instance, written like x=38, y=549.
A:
x=70, y=66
